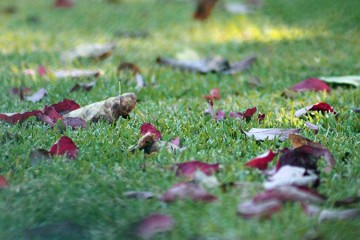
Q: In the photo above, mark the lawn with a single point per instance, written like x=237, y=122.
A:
x=293, y=40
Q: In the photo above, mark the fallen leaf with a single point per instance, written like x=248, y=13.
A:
x=18, y=117
x=187, y=191
x=38, y=96
x=291, y=175
x=74, y=122
x=290, y=193
x=154, y=224
x=64, y=3
x=261, y=134
x=65, y=106
x=297, y=141
x=110, y=109
x=203, y=9
x=245, y=115
x=264, y=209
x=210, y=65
x=62, y=230
x=63, y=147
x=347, y=201
x=261, y=162
x=188, y=169
x=147, y=143
x=214, y=94
x=204, y=180
x=3, y=182
x=347, y=80
x=311, y=84
x=220, y=115
x=174, y=145
x=261, y=117
x=138, y=195
x=92, y=51
x=306, y=157
x=149, y=128
x=312, y=127
x=320, y=107
x=83, y=86
x=331, y=214
x=127, y=66
x=77, y=73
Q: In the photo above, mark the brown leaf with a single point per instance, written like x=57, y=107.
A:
x=110, y=109
x=297, y=141
x=203, y=9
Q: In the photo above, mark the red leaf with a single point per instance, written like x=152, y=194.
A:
x=261, y=117
x=187, y=191
x=42, y=70
x=64, y=3
x=189, y=168
x=176, y=141
x=246, y=115
x=18, y=117
x=153, y=224
x=65, y=106
x=3, y=182
x=290, y=193
x=311, y=84
x=250, y=209
x=203, y=9
x=148, y=127
x=64, y=146
x=214, y=94
x=261, y=134
x=320, y=107
x=261, y=162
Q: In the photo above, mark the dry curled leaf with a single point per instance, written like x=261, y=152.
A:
x=83, y=86
x=77, y=73
x=38, y=96
x=330, y=214
x=92, y=51
x=320, y=107
x=187, y=190
x=261, y=134
x=110, y=109
x=264, y=209
x=346, y=80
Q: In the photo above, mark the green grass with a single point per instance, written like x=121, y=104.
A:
x=292, y=39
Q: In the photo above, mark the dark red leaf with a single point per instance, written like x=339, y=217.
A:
x=187, y=191
x=311, y=84
x=153, y=224
x=246, y=115
x=290, y=193
x=261, y=134
x=214, y=94
x=320, y=107
x=38, y=96
x=148, y=127
x=3, y=182
x=203, y=9
x=265, y=209
x=189, y=168
x=306, y=157
x=65, y=106
x=261, y=162
x=261, y=117
x=64, y=3
x=18, y=117
x=64, y=146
